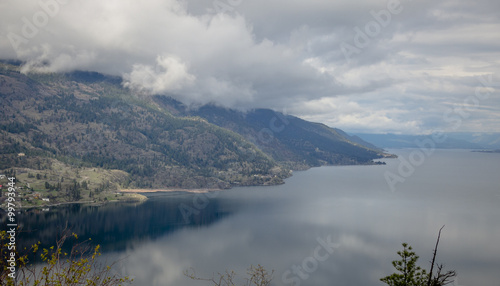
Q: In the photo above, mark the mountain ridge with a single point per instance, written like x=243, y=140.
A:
x=98, y=126
x=89, y=120
x=287, y=139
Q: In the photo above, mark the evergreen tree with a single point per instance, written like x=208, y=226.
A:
x=409, y=273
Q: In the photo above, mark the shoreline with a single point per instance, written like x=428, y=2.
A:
x=132, y=198
x=169, y=190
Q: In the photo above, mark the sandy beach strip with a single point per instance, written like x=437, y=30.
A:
x=196, y=191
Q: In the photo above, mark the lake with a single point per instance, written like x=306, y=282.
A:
x=339, y=225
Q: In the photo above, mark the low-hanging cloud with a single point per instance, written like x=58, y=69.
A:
x=277, y=54
x=168, y=75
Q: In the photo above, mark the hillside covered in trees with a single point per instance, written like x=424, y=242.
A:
x=85, y=121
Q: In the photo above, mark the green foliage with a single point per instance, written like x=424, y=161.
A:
x=409, y=274
x=78, y=267
x=288, y=139
x=17, y=127
x=87, y=119
x=412, y=275
x=90, y=120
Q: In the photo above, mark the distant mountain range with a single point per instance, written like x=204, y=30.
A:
x=88, y=120
x=463, y=140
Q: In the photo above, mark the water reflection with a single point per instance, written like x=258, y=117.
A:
x=115, y=226
x=279, y=227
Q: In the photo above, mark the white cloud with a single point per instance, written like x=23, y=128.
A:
x=169, y=75
x=274, y=54
x=351, y=114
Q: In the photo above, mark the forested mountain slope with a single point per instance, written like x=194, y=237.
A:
x=292, y=141
x=89, y=120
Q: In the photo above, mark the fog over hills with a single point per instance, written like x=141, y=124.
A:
x=89, y=120
x=403, y=67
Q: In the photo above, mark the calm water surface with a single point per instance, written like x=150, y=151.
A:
x=325, y=226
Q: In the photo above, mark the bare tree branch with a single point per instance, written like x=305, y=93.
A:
x=434, y=257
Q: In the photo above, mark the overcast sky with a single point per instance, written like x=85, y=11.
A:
x=363, y=66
